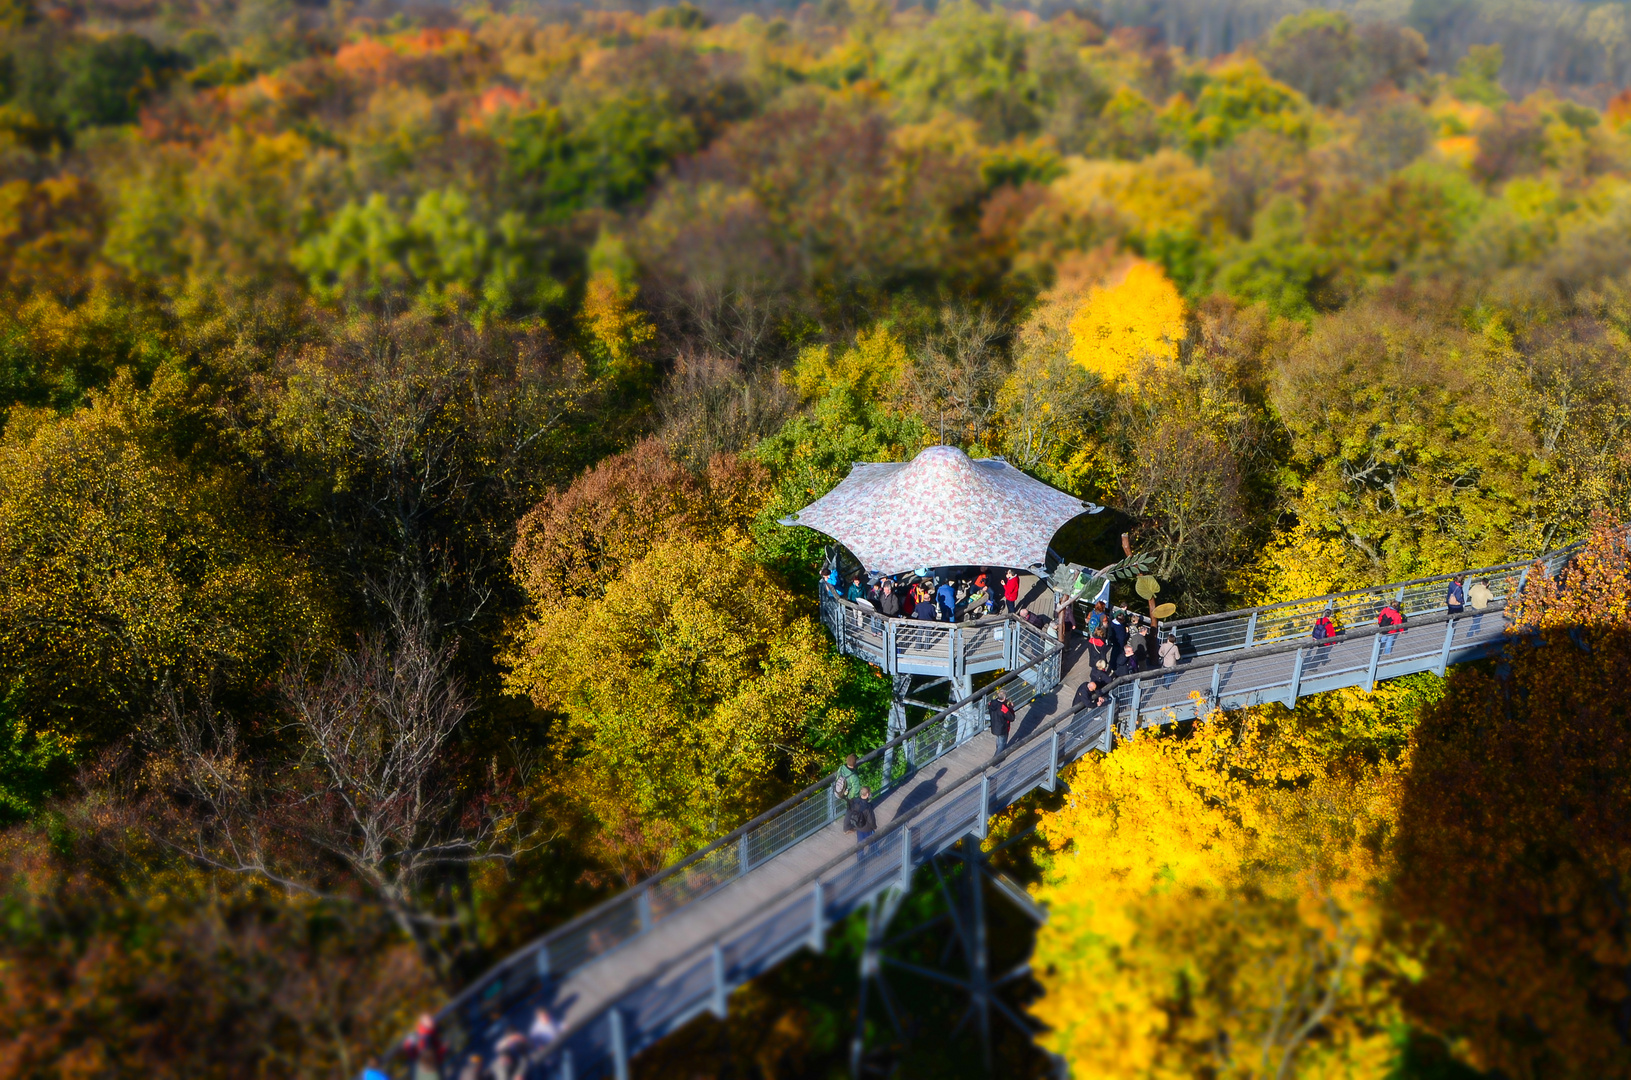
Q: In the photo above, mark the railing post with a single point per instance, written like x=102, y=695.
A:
x=890, y=659
x=1296, y=679
x=620, y=1046
x=1217, y=684
x=905, y=858
x=567, y=1071
x=1251, y=629
x=1444, y=655
x=957, y=659
x=818, y=921
x=1053, y=762
x=642, y=905
x=1138, y=697
x=1110, y=714
x=985, y=805
x=1375, y=655
x=542, y=960
x=716, y=1004
x=832, y=802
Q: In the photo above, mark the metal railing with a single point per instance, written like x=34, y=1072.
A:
x=1293, y=619
x=640, y=909
x=1272, y=659
x=915, y=646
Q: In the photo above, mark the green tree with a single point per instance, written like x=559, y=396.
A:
x=128, y=570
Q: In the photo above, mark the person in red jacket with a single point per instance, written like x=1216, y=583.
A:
x=1010, y=592
x=423, y=1047
x=1389, y=616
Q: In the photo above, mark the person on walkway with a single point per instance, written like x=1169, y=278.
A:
x=1480, y=596
x=1324, y=629
x=423, y=1049
x=860, y=818
x=544, y=1033
x=1389, y=616
x=946, y=595
x=849, y=780
x=888, y=602
x=1169, y=652
x=372, y=1071
x=1096, y=618
x=510, y=1056
x=1002, y=716
x=1126, y=661
x=1118, y=630
x=1098, y=649
x=1144, y=641
x=472, y=1068
x=924, y=609
x=1454, y=597
x=1010, y=592
x=854, y=592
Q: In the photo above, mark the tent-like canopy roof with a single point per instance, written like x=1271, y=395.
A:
x=941, y=509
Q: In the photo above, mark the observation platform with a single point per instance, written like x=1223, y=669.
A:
x=640, y=965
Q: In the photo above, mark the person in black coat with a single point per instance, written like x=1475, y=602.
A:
x=1118, y=632
x=860, y=818
x=1126, y=660
x=1002, y=715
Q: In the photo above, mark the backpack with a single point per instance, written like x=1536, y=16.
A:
x=1322, y=628
x=1389, y=616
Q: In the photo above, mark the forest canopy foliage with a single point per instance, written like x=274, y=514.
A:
x=443, y=375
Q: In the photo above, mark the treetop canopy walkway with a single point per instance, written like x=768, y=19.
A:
x=640, y=965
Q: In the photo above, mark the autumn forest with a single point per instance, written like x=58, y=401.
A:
x=397, y=405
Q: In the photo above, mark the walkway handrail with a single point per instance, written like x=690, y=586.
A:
x=735, y=844
x=1550, y=559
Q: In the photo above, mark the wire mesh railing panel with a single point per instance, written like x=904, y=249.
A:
x=576, y=945
x=769, y=839
x=983, y=643
x=713, y=870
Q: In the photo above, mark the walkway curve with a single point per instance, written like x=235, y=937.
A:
x=643, y=964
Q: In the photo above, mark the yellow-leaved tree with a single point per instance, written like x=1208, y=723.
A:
x=1125, y=326
x=1212, y=909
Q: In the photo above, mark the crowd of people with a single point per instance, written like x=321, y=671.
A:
x=943, y=596
x=515, y=1056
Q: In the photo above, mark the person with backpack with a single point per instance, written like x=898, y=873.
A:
x=1389, y=616
x=1324, y=628
x=849, y=779
x=1002, y=715
x=1454, y=598
x=860, y=818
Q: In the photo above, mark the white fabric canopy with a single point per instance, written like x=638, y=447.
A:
x=941, y=509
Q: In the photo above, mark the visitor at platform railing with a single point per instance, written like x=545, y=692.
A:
x=1324, y=629
x=1454, y=598
x=1010, y=592
x=1480, y=595
x=1126, y=661
x=1389, y=616
x=888, y=601
x=854, y=592
x=1097, y=618
x=1169, y=652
